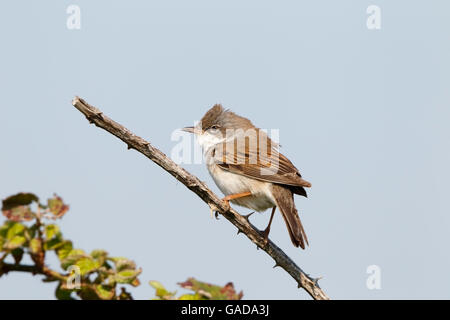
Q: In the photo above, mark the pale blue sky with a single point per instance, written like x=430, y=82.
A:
x=363, y=114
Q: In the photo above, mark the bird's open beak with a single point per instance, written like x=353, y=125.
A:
x=188, y=129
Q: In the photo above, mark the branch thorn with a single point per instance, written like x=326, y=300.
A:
x=316, y=281
x=247, y=216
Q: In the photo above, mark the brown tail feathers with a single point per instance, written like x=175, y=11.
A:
x=285, y=201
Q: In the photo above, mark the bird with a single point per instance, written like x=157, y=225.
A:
x=248, y=168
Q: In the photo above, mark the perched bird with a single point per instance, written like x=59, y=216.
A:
x=248, y=168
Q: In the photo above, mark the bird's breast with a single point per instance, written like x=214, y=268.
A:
x=232, y=183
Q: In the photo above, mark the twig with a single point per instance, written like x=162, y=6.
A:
x=95, y=116
x=33, y=269
x=51, y=275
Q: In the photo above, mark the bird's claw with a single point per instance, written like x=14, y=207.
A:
x=265, y=235
x=227, y=204
x=213, y=211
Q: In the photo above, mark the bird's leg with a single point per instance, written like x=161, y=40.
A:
x=267, y=230
x=235, y=196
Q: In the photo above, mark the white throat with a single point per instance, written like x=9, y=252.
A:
x=206, y=141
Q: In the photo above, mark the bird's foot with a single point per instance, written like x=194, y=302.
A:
x=214, y=211
x=227, y=203
x=265, y=235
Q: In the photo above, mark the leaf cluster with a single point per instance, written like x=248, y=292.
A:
x=30, y=230
x=199, y=291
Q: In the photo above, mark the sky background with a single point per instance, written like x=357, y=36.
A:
x=364, y=114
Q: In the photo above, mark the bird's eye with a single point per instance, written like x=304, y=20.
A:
x=215, y=127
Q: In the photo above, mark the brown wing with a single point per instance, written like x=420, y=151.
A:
x=248, y=158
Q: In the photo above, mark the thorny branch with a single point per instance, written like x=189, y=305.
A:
x=96, y=117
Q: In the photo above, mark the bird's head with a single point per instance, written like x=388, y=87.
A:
x=218, y=125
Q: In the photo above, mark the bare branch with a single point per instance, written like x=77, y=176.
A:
x=51, y=275
x=95, y=116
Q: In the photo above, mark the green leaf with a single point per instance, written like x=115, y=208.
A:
x=53, y=244
x=14, y=229
x=87, y=265
x=64, y=249
x=15, y=242
x=20, y=199
x=57, y=207
x=73, y=256
x=127, y=276
x=210, y=291
x=123, y=263
x=157, y=285
x=51, y=231
x=189, y=296
x=161, y=291
x=62, y=294
x=105, y=292
x=35, y=245
x=4, y=229
x=30, y=232
x=88, y=293
x=99, y=254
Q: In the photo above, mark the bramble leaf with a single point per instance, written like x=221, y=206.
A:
x=53, y=244
x=189, y=296
x=14, y=242
x=99, y=256
x=210, y=291
x=96, y=254
x=51, y=230
x=105, y=292
x=73, y=256
x=35, y=245
x=63, y=294
x=87, y=265
x=18, y=214
x=14, y=229
x=127, y=276
x=161, y=291
x=123, y=263
x=20, y=199
x=64, y=249
x=57, y=207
